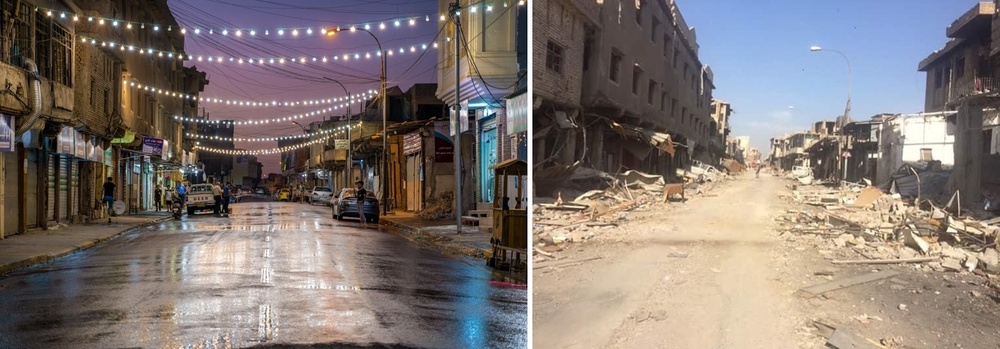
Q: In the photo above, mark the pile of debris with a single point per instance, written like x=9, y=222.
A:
x=885, y=229
x=440, y=208
x=595, y=211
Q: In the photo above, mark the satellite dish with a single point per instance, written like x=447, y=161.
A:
x=119, y=207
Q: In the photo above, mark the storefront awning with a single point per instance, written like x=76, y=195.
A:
x=658, y=140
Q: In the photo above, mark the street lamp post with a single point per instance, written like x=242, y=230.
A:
x=847, y=109
x=350, y=160
x=385, y=147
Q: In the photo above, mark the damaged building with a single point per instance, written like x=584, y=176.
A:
x=610, y=104
x=962, y=78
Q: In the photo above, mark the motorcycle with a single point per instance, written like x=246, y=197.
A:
x=176, y=207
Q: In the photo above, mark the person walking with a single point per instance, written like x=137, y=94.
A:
x=109, y=197
x=158, y=197
x=361, y=194
x=226, y=192
x=217, y=193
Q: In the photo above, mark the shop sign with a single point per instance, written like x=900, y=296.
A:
x=7, y=135
x=517, y=114
x=152, y=146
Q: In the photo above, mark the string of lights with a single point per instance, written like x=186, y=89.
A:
x=346, y=57
x=291, y=31
x=262, y=151
x=248, y=103
x=260, y=121
x=332, y=131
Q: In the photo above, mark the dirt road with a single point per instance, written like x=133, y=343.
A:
x=694, y=275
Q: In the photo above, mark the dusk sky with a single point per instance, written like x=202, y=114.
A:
x=295, y=81
x=759, y=51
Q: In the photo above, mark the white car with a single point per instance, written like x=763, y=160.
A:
x=320, y=195
x=200, y=198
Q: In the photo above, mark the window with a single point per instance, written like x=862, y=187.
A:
x=652, y=32
x=686, y=68
x=663, y=101
x=638, y=12
x=925, y=154
x=676, y=58
x=649, y=94
x=959, y=67
x=554, y=57
x=588, y=47
x=684, y=112
x=666, y=44
x=616, y=63
x=937, y=78
x=93, y=83
x=53, y=50
x=673, y=107
x=19, y=48
x=636, y=74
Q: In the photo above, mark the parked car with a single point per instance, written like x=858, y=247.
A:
x=200, y=198
x=320, y=195
x=345, y=204
x=283, y=195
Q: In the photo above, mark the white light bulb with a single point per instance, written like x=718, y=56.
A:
x=381, y=25
x=295, y=32
x=442, y=17
x=368, y=27
x=309, y=31
x=252, y=32
x=281, y=32
x=197, y=31
x=129, y=26
x=412, y=22
x=397, y=23
x=472, y=9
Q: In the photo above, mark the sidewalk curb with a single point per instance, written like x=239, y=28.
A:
x=412, y=232
x=44, y=258
x=409, y=233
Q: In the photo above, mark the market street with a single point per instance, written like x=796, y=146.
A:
x=270, y=273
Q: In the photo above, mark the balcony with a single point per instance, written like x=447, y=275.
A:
x=978, y=86
x=973, y=23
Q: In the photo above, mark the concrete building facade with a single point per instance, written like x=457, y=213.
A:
x=643, y=88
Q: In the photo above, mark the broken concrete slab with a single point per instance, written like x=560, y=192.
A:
x=971, y=262
x=910, y=239
x=843, y=338
x=816, y=290
x=867, y=197
x=990, y=260
x=949, y=263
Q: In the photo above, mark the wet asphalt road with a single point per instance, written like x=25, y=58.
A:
x=272, y=273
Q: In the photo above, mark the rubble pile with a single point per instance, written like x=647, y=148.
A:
x=885, y=229
x=597, y=211
x=439, y=208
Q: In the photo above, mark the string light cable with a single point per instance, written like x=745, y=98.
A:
x=250, y=103
x=260, y=121
x=282, y=31
x=331, y=131
x=198, y=146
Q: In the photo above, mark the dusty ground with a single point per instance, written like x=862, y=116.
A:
x=713, y=273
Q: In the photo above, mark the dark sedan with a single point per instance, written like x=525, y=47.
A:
x=345, y=204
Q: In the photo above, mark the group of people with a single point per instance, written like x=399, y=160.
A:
x=222, y=195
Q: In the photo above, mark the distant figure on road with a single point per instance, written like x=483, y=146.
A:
x=226, y=192
x=109, y=197
x=757, y=172
x=157, y=197
x=361, y=194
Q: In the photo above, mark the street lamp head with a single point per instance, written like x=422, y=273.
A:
x=815, y=48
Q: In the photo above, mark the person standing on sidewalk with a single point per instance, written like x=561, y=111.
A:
x=361, y=194
x=158, y=197
x=109, y=198
x=217, y=192
x=226, y=192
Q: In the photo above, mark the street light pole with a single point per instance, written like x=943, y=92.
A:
x=385, y=148
x=349, y=139
x=454, y=8
x=847, y=109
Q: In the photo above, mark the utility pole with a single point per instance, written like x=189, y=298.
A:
x=454, y=8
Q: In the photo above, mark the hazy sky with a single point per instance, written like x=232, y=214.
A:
x=296, y=82
x=759, y=51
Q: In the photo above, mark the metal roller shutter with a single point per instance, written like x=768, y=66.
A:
x=52, y=188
